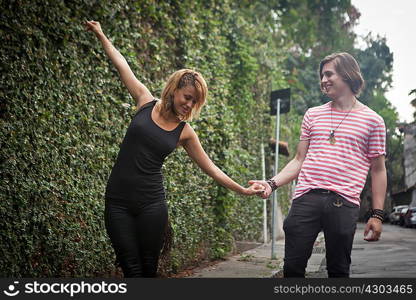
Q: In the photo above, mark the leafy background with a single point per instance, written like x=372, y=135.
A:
x=64, y=113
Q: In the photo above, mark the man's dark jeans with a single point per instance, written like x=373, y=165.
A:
x=312, y=212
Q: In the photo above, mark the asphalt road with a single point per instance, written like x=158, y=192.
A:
x=393, y=256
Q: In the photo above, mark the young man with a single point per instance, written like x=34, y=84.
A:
x=339, y=143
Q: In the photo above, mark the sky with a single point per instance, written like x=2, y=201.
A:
x=394, y=20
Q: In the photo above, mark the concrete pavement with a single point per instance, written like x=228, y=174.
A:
x=392, y=256
x=257, y=263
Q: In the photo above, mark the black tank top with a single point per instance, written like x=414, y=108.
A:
x=137, y=176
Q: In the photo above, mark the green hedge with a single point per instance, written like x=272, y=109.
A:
x=64, y=113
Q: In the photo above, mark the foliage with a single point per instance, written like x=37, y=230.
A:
x=64, y=113
x=318, y=28
x=413, y=102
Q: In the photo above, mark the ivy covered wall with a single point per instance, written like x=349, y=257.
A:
x=64, y=113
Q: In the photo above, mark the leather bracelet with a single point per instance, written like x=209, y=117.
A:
x=272, y=184
x=379, y=212
x=377, y=217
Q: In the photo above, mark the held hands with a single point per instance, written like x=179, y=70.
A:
x=93, y=26
x=266, y=189
x=372, y=230
x=254, y=189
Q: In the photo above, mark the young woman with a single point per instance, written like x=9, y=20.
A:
x=136, y=212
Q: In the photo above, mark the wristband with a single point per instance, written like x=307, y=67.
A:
x=377, y=217
x=272, y=184
x=378, y=214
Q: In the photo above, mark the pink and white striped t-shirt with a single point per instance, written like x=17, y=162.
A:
x=342, y=167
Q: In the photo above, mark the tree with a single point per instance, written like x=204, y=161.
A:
x=413, y=102
x=314, y=29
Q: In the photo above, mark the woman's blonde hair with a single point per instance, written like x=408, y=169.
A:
x=180, y=79
x=348, y=68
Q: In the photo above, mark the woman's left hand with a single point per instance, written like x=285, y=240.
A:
x=93, y=26
x=254, y=189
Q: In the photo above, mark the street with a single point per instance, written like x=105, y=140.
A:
x=394, y=255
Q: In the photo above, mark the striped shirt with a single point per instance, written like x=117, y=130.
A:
x=341, y=167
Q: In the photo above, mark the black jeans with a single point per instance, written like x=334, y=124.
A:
x=137, y=236
x=312, y=212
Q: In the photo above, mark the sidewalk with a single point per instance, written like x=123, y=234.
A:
x=257, y=263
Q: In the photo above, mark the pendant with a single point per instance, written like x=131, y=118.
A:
x=332, y=139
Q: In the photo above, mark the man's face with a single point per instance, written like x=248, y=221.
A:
x=331, y=82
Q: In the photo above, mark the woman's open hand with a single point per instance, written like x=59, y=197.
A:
x=93, y=26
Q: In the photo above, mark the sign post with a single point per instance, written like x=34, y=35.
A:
x=279, y=104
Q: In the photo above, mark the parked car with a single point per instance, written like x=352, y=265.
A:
x=403, y=211
x=410, y=217
x=394, y=217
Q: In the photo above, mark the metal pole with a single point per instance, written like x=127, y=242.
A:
x=276, y=166
x=273, y=256
x=263, y=170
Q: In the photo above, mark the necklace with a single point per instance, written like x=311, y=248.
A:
x=331, y=138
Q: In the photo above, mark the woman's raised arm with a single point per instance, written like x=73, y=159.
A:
x=136, y=89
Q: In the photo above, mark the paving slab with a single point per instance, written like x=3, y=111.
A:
x=257, y=263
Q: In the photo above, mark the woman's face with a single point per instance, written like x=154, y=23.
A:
x=184, y=100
